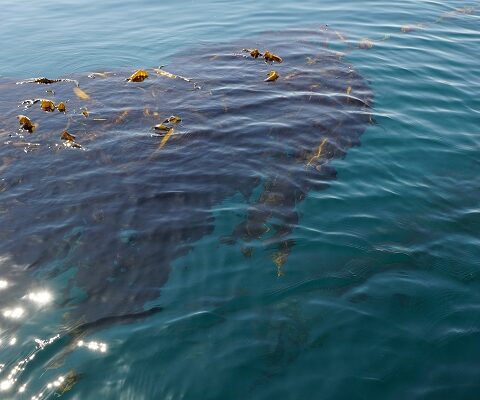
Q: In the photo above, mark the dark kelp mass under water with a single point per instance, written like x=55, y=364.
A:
x=94, y=189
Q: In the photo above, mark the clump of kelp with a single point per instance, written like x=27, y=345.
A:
x=182, y=118
x=285, y=89
x=26, y=124
x=164, y=129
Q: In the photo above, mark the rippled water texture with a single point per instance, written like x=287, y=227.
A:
x=312, y=237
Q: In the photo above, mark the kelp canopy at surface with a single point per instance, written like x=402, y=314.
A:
x=96, y=189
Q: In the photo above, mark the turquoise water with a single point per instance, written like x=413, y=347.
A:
x=379, y=297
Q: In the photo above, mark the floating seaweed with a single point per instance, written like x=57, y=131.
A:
x=270, y=57
x=162, y=127
x=81, y=94
x=218, y=154
x=47, y=105
x=165, y=138
x=174, y=119
x=69, y=140
x=94, y=75
x=161, y=72
x=26, y=123
x=67, y=136
x=255, y=53
x=272, y=76
x=138, y=76
x=61, y=107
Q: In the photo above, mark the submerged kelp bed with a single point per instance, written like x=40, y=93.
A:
x=120, y=208
x=382, y=274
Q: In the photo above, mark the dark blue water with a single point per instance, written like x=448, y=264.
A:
x=124, y=250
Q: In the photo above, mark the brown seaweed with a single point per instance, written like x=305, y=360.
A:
x=174, y=119
x=26, y=123
x=255, y=53
x=161, y=72
x=69, y=140
x=47, y=105
x=166, y=138
x=162, y=127
x=270, y=57
x=67, y=136
x=61, y=107
x=230, y=138
x=272, y=76
x=81, y=94
x=138, y=76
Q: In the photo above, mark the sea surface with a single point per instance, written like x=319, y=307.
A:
x=220, y=262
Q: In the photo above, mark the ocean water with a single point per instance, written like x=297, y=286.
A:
x=352, y=271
